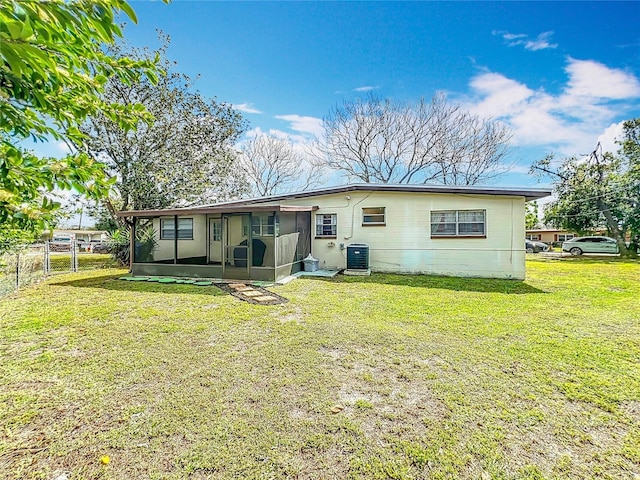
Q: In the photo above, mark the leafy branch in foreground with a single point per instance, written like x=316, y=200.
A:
x=52, y=69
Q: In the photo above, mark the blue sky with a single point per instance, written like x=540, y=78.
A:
x=561, y=75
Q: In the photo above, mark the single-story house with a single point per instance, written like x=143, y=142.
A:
x=421, y=229
x=549, y=235
x=78, y=235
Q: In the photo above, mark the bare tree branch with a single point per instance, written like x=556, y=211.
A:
x=273, y=165
x=380, y=141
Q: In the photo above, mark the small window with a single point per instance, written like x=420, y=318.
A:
x=533, y=237
x=373, y=216
x=458, y=223
x=326, y=225
x=185, y=229
x=216, y=231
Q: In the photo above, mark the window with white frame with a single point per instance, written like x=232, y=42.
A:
x=326, y=225
x=168, y=229
x=533, y=236
x=373, y=216
x=458, y=223
x=264, y=225
x=563, y=237
x=216, y=231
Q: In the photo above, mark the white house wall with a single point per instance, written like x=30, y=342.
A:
x=186, y=248
x=404, y=244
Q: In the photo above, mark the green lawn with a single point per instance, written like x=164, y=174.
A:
x=436, y=378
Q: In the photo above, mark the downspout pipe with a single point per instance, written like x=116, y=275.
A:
x=175, y=239
x=132, y=244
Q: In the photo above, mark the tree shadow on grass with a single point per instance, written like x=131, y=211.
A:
x=486, y=285
x=111, y=282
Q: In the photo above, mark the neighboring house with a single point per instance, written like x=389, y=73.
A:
x=80, y=235
x=442, y=230
x=549, y=235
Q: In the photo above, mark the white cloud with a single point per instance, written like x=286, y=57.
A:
x=366, y=88
x=592, y=79
x=501, y=95
x=246, y=108
x=542, y=42
x=299, y=123
x=256, y=132
x=511, y=36
x=607, y=140
x=569, y=122
x=299, y=142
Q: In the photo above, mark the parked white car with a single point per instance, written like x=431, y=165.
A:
x=580, y=245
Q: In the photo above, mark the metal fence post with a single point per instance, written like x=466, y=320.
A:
x=17, y=271
x=46, y=263
x=74, y=256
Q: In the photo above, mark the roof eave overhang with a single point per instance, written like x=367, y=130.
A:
x=528, y=193
x=214, y=210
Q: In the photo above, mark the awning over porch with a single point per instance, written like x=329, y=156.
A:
x=246, y=208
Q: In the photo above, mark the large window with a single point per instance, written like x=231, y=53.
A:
x=458, y=223
x=373, y=216
x=326, y=225
x=168, y=229
x=563, y=237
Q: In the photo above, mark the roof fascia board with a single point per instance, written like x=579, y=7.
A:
x=220, y=209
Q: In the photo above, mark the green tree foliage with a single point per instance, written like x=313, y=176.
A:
x=102, y=216
x=52, y=70
x=600, y=192
x=183, y=156
x=531, y=218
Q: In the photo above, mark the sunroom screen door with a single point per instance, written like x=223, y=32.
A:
x=236, y=246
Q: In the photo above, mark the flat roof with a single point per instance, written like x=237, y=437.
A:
x=528, y=193
x=253, y=204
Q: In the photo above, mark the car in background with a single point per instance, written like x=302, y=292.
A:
x=60, y=244
x=535, y=247
x=594, y=244
x=101, y=247
x=83, y=246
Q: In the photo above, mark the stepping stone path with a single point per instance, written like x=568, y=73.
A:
x=249, y=293
x=253, y=294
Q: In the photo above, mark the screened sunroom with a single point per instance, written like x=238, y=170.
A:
x=254, y=242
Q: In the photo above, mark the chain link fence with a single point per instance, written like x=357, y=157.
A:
x=35, y=262
x=21, y=269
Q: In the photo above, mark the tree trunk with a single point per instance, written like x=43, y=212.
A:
x=615, y=231
x=122, y=222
